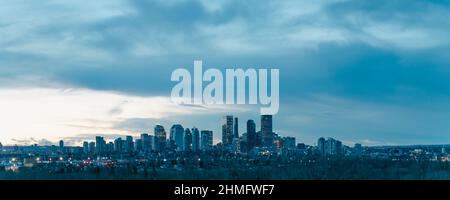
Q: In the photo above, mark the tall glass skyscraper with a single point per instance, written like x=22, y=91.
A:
x=99, y=145
x=251, y=134
x=187, y=140
x=85, y=147
x=118, y=145
x=160, y=138
x=129, y=145
x=146, y=142
x=227, y=130
x=267, y=130
x=206, y=140
x=61, y=145
x=177, y=135
x=195, y=139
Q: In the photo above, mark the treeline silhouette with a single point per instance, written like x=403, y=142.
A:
x=275, y=169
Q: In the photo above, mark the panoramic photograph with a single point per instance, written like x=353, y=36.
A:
x=207, y=90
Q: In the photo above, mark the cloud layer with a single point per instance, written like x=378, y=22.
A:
x=386, y=60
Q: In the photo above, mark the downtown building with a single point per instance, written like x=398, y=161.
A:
x=86, y=147
x=195, y=139
x=267, y=134
x=251, y=135
x=118, y=145
x=227, y=130
x=288, y=143
x=230, y=133
x=329, y=147
x=206, y=140
x=129, y=144
x=160, y=138
x=147, y=142
x=187, y=140
x=100, y=145
x=177, y=136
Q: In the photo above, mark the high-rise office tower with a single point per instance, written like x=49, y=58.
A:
x=100, y=144
x=138, y=145
x=177, y=135
x=187, y=140
x=118, y=145
x=267, y=130
x=206, y=140
x=61, y=145
x=129, y=144
x=85, y=147
x=195, y=139
x=236, y=128
x=160, y=138
x=146, y=142
x=109, y=147
x=258, y=139
x=251, y=135
x=92, y=148
x=152, y=142
x=227, y=130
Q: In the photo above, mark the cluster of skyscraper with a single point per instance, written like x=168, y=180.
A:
x=265, y=138
x=180, y=139
x=186, y=139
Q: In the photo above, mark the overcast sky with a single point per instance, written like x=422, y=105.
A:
x=373, y=72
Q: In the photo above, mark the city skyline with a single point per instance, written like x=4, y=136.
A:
x=189, y=153
x=216, y=139
x=366, y=72
x=173, y=134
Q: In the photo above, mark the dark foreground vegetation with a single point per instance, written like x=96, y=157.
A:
x=305, y=169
